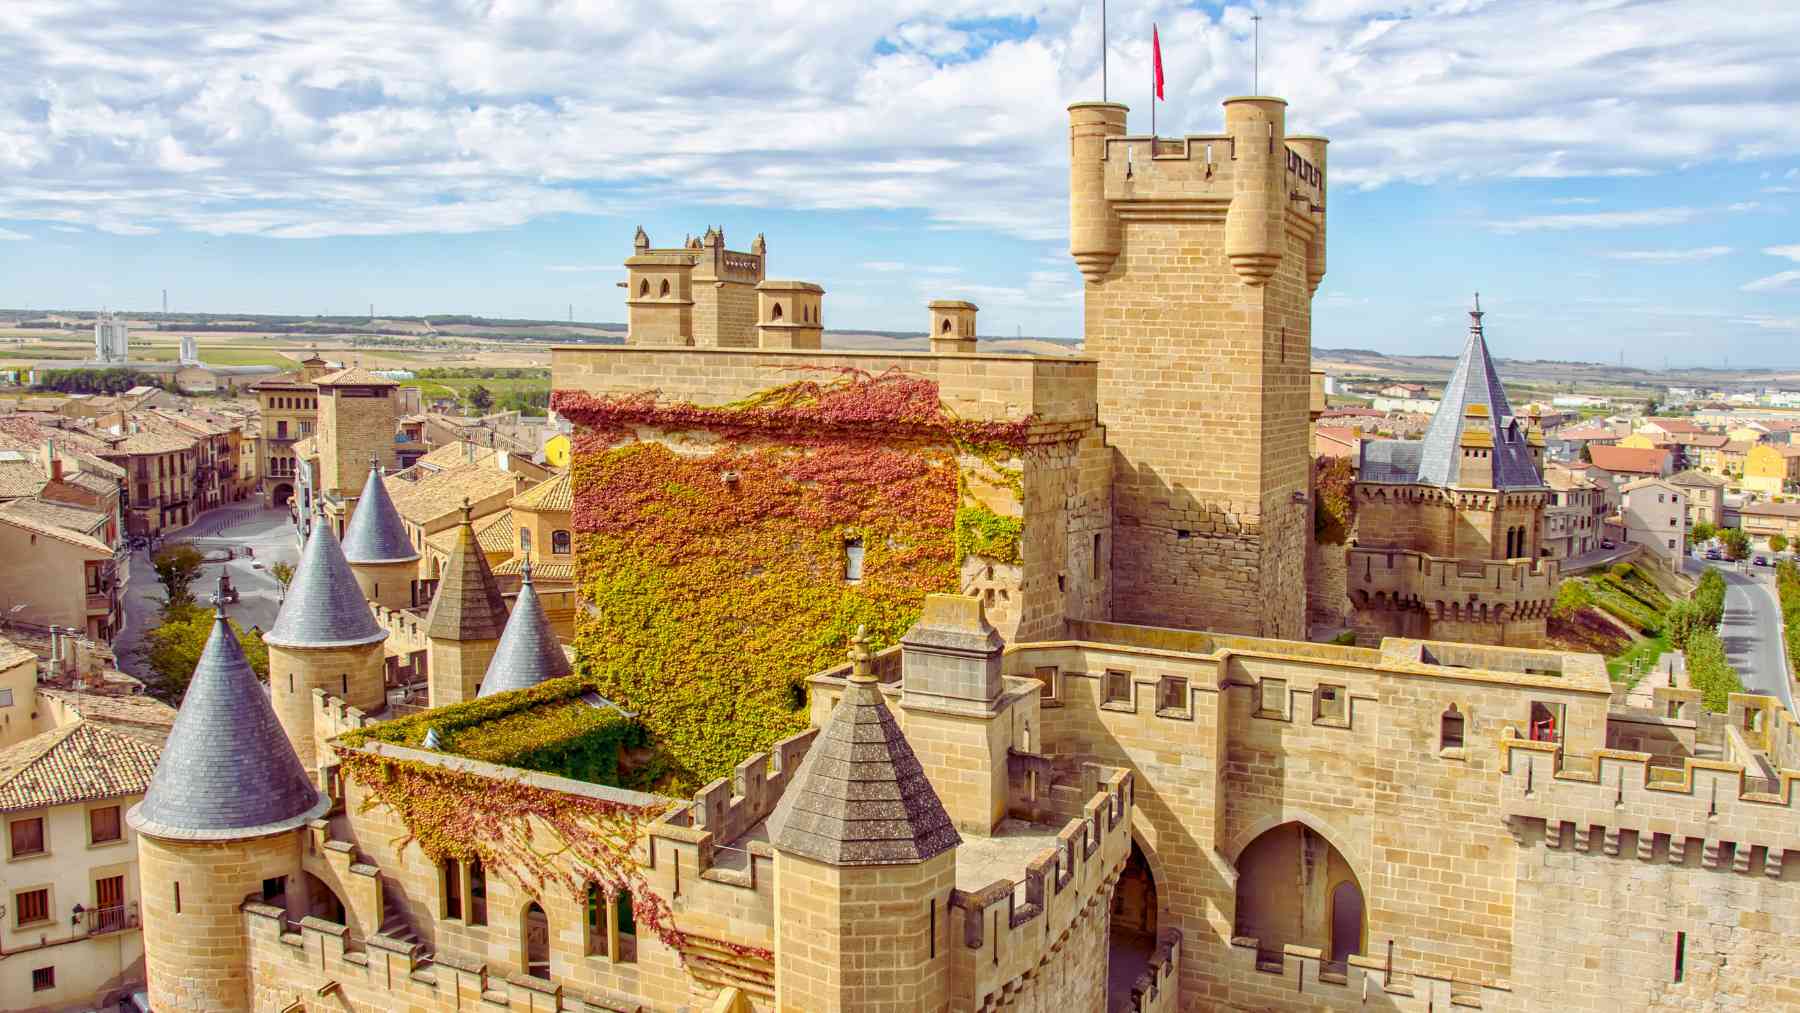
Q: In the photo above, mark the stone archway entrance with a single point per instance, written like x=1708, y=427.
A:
x=1132, y=937
x=323, y=902
x=283, y=495
x=1295, y=887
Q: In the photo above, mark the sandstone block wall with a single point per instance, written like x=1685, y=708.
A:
x=870, y=938
x=196, y=949
x=356, y=675
x=353, y=430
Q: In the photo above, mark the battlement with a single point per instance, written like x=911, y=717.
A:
x=1052, y=391
x=717, y=825
x=1302, y=974
x=1458, y=497
x=1703, y=806
x=1479, y=590
x=1010, y=926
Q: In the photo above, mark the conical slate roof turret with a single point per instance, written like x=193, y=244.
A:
x=376, y=534
x=324, y=606
x=228, y=771
x=1475, y=399
x=861, y=797
x=528, y=653
x=468, y=604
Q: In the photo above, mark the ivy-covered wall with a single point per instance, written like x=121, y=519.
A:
x=713, y=544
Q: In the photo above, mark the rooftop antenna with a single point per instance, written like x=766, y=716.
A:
x=1256, y=54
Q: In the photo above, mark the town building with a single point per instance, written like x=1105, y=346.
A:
x=288, y=408
x=1705, y=496
x=1771, y=470
x=1655, y=515
x=1764, y=520
x=1574, y=519
x=1632, y=463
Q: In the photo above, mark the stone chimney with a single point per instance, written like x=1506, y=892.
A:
x=952, y=327
x=53, y=464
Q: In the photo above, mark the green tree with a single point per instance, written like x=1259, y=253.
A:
x=1737, y=544
x=177, y=568
x=170, y=651
x=480, y=398
x=1778, y=543
x=283, y=574
x=1585, y=455
x=1702, y=532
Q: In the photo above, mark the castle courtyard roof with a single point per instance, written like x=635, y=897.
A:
x=861, y=797
x=376, y=534
x=228, y=771
x=324, y=606
x=528, y=652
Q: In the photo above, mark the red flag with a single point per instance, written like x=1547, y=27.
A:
x=1156, y=49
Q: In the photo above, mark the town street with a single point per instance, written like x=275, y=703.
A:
x=267, y=532
x=1752, y=633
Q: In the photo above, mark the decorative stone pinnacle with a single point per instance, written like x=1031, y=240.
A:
x=468, y=512
x=862, y=668
x=525, y=570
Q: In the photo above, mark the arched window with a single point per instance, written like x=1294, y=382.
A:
x=559, y=542
x=946, y=328
x=627, y=928
x=477, y=893
x=1450, y=729
x=664, y=292
x=775, y=314
x=524, y=539
x=644, y=289
x=594, y=921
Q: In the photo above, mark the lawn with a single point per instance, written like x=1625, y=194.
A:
x=1631, y=665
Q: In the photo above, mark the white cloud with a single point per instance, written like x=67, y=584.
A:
x=1670, y=256
x=1747, y=205
x=1595, y=220
x=1790, y=252
x=1774, y=282
x=8, y=235
x=1781, y=189
x=288, y=118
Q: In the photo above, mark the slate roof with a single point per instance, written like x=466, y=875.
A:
x=861, y=797
x=324, y=607
x=79, y=762
x=1474, y=400
x=228, y=771
x=1390, y=460
x=468, y=604
x=529, y=652
x=376, y=534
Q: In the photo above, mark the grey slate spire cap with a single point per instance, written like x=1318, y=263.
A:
x=861, y=797
x=528, y=652
x=376, y=534
x=1474, y=383
x=228, y=771
x=324, y=606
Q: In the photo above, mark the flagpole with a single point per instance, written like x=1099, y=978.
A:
x=1103, y=50
x=1153, y=92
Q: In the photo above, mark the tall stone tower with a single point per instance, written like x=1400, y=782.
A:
x=468, y=615
x=1201, y=255
x=381, y=556
x=357, y=416
x=219, y=822
x=326, y=638
x=865, y=868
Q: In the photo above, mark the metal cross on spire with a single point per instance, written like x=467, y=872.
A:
x=1256, y=54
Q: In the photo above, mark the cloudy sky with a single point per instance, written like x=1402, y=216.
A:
x=1611, y=174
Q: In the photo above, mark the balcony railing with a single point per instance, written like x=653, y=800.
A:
x=103, y=920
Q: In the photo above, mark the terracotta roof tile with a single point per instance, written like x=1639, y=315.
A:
x=355, y=376
x=432, y=496
x=1636, y=460
x=80, y=762
x=26, y=518
x=553, y=496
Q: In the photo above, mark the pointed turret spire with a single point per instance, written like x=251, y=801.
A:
x=227, y=771
x=1475, y=401
x=324, y=606
x=860, y=797
x=376, y=533
x=528, y=653
x=468, y=604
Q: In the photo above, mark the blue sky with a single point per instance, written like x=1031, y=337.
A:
x=1613, y=175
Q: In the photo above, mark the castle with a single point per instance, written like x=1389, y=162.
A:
x=1079, y=756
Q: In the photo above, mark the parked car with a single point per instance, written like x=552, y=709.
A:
x=1714, y=554
x=1762, y=560
x=1607, y=543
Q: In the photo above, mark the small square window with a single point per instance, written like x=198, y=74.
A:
x=1271, y=698
x=1046, y=677
x=1330, y=704
x=28, y=837
x=1116, y=687
x=6, y=698
x=43, y=979
x=1172, y=693
x=103, y=825
x=31, y=906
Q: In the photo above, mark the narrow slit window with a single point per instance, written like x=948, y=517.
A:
x=1450, y=729
x=853, y=559
x=1680, y=957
